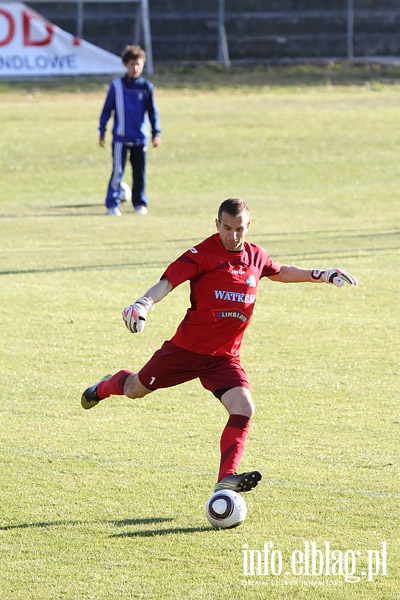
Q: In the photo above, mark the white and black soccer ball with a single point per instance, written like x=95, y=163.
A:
x=226, y=509
x=126, y=192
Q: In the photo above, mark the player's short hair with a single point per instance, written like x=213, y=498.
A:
x=132, y=53
x=233, y=206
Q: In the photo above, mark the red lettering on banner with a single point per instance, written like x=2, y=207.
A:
x=26, y=21
x=11, y=27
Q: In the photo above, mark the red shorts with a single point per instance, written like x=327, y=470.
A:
x=172, y=365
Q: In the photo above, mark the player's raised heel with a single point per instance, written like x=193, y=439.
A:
x=89, y=397
x=239, y=483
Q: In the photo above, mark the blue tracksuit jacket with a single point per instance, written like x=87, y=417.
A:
x=131, y=100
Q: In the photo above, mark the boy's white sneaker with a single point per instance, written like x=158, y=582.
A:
x=114, y=211
x=141, y=210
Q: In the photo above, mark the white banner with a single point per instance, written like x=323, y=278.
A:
x=31, y=46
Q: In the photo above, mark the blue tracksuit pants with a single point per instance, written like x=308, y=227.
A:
x=137, y=157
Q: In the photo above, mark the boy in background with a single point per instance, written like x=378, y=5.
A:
x=131, y=99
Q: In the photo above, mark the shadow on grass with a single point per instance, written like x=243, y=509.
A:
x=156, y=532
x=148, y=265
x=74, y=210
x=87, y=205
x=119, y=523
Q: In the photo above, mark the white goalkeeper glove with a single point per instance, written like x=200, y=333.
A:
x=335, y=276
x=134, y=316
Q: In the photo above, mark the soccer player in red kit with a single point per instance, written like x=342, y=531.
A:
x=224, y=271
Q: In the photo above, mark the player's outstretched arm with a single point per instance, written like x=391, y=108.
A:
x=135, y=315
x=291, y=274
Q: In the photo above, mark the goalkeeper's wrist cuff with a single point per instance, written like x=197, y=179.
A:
x=316, y=276
x=146, y=302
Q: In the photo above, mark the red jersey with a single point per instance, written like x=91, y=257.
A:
x=223, y=289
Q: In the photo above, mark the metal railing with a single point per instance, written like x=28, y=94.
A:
x=223, y=48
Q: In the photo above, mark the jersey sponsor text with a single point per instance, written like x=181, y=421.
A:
x=235, y=297
x=232, y=314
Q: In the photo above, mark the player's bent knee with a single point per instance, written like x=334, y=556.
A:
x=247, y=409
x=133, y=388
x=238, y=401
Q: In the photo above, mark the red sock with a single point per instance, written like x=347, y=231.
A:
x=232, y=444
x=113, y=386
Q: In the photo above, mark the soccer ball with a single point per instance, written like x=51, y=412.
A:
x=126, y=194
x=226, y=509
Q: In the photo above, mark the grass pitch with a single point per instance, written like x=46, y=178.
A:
x=109, y=503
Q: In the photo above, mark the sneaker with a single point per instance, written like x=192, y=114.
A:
x=114, y=211
x=89, y=396
x=239, y=483
x=141, y=210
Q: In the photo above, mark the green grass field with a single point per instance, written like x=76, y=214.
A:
x=109, y=503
